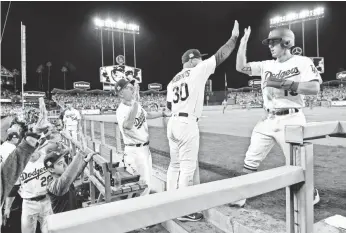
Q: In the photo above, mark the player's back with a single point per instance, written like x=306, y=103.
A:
x=186, y=90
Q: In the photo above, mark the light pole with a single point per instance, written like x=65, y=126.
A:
x=118, y=26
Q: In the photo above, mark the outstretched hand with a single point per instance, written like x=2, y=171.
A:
x=235, y=31
x=247, y=32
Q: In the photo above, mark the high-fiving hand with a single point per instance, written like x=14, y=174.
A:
x=247, y=32
x=235, y=31
x=136, y=92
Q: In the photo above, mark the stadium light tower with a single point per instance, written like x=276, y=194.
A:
x=293, y=18
x=118, y=26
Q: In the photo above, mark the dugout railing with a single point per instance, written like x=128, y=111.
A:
x=131, y=214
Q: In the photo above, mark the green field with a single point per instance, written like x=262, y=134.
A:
x=225, y=139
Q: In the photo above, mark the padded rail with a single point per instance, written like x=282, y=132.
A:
x=143, y=211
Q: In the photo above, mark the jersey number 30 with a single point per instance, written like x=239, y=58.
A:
x=181, y=93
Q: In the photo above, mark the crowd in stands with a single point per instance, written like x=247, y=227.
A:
x=334, y=93
x=9, y=109
x=245, y=98
x=6, y=94
x=327, y=94
x=90, y=101
x=87, y=101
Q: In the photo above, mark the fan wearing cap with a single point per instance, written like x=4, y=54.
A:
x=185, y=97
x=284, y=82
x=71, y=120
x=132, y=121
x=9, y=145
x=60, y=188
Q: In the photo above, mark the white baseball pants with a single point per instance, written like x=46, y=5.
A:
x=140, y=160
x=266, y=133
x=33, y=211
x=72, y=131
x=183, y=137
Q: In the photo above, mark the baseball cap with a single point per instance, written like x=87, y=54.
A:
x=190, y=54
x=13, y=135
x=53, y=156
x=122, y=83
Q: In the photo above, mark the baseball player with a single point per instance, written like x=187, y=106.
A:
x=32, y=187
x=224, y=104
x=71, y=120
x=284, y=83
x=185, y=97
x=132, y=121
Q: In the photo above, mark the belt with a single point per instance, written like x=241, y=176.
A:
x=138, y=145
x=183, y=114
x=283, y=112
x=38, y=198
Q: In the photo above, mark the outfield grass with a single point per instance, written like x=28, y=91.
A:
x=225, y=139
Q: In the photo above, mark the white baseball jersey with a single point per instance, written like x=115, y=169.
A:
x=139, y=132
x=297, y=68
x=34, y=178
x=71, y=117
x=186, y=90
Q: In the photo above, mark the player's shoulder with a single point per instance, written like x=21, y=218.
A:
x=300, y=59
x=267, y=62
x=209, y=60
x=303, y=59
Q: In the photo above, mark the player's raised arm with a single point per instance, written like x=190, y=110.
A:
x=242, y=65
x=223, y=53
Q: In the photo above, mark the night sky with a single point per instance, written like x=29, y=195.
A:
x=64, y=31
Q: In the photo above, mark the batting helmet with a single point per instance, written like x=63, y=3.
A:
x=284, y=34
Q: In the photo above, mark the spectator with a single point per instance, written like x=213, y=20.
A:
x=61, y=189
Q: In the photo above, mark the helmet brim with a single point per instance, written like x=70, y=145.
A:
x=266, y=41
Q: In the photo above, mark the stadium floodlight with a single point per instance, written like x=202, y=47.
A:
x=98, y=22
x=292, y=17
x=118, y=26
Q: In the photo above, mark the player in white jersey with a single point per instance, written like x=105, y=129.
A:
x=224, y=104
x=72, y=120
x=185, y=97
x=284, y=83
x=32, y=187
x=132, y=121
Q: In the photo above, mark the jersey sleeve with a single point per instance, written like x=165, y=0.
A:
x=169, y=93
x=120, y=117
x=309, y=71
x=256, y=68
x=208, y=68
